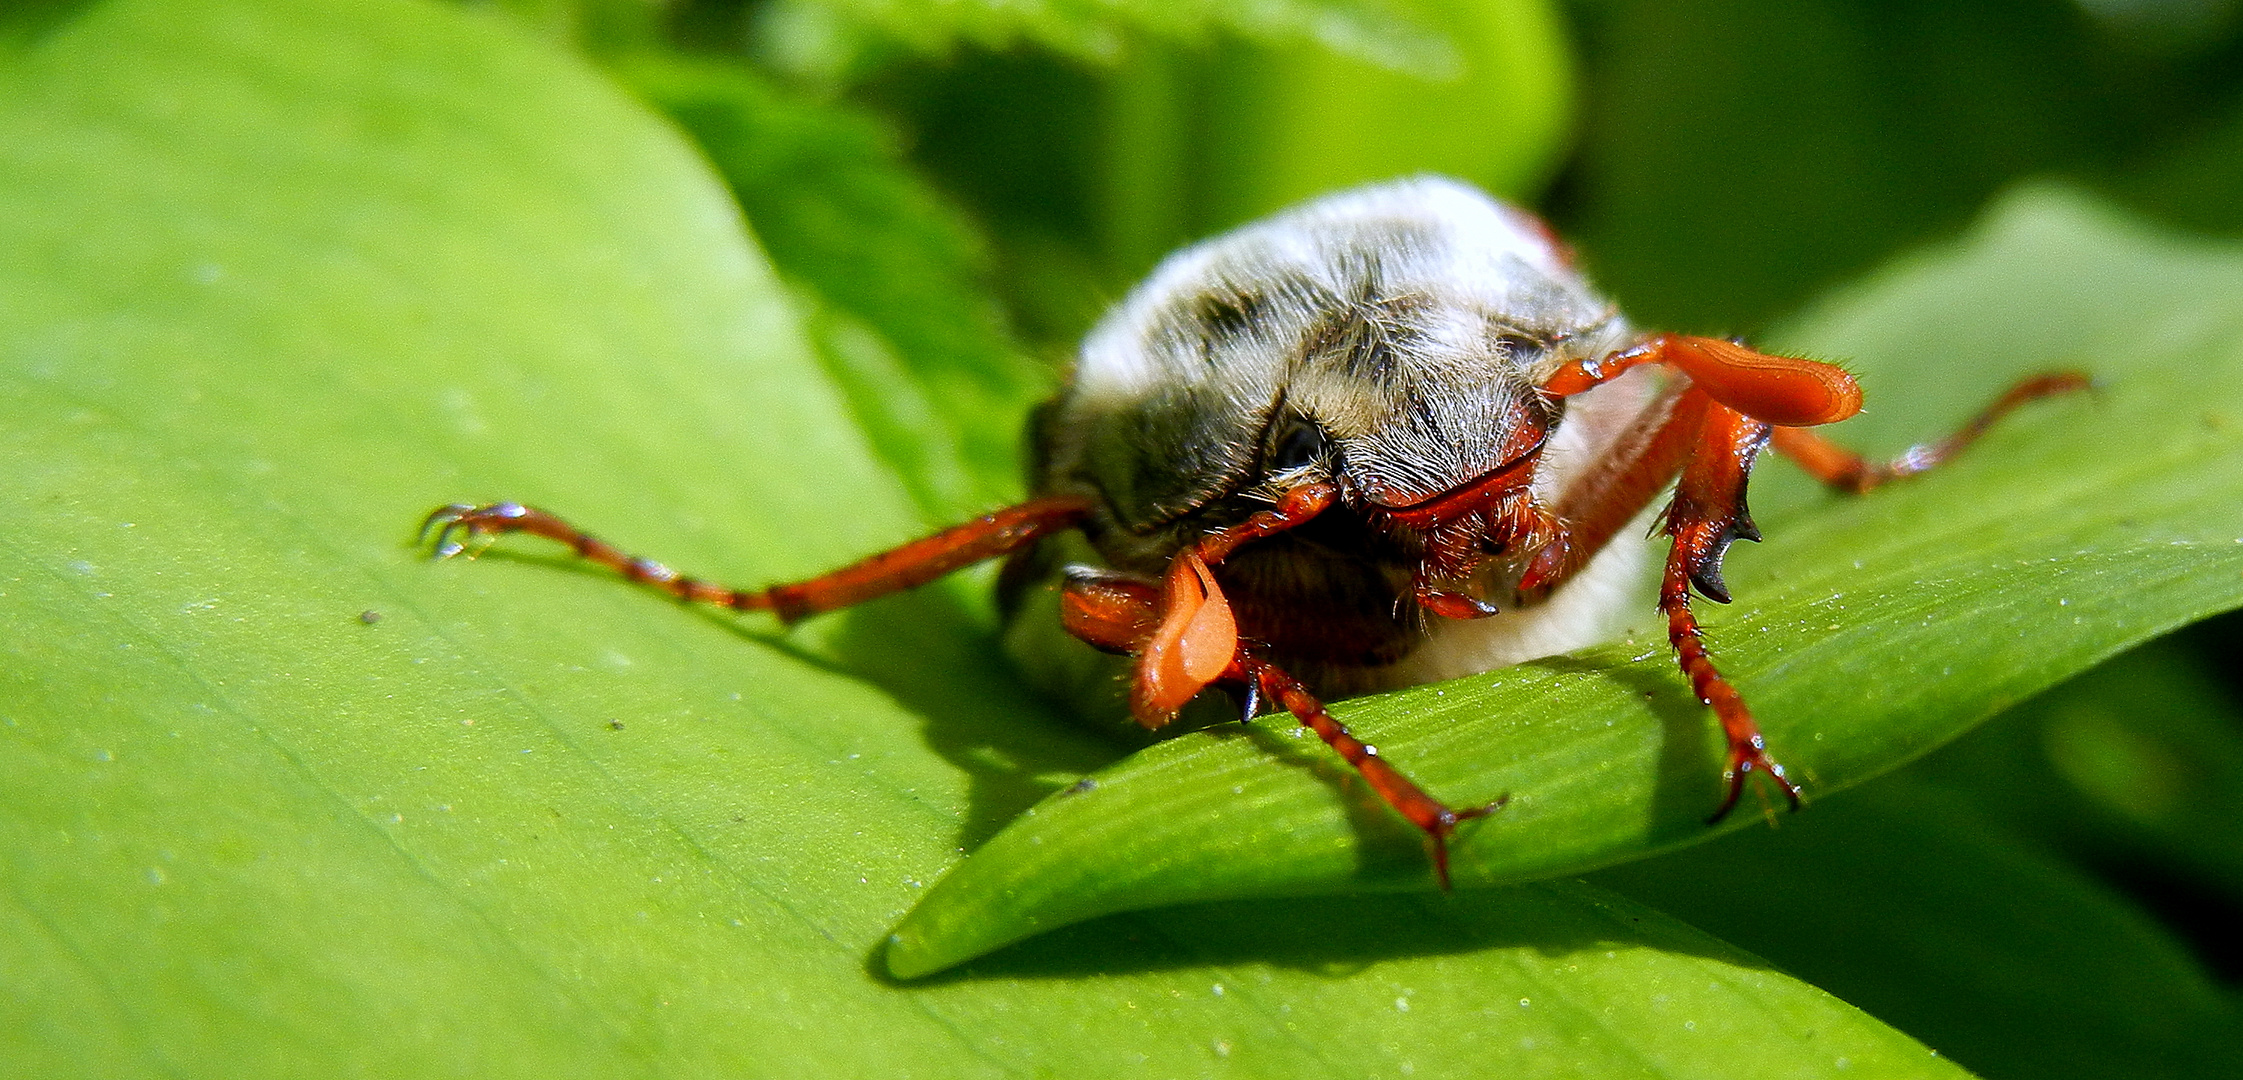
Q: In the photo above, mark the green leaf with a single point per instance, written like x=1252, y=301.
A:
x=1914, y=902
x=1197, y=141
x=901, y=319
x=1865, y=631
x=1289, y=123
x=285, y=798
x=1393, y=33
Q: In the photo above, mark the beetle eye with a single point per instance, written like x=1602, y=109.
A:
x=1516, y=346
x=1301, y=445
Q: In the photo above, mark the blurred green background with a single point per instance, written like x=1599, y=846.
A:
x=1717, y=163
x=951, y=190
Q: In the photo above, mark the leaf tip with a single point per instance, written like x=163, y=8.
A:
x=910, y=954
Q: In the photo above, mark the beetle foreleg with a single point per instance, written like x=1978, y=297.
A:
x=1777, y=389
x=1771, y=388
x=1126, y=614
x=1399, y=791
x=1707, y=514
x=909, y=566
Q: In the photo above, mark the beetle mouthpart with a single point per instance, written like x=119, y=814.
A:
x=1194, y=643
x=1464, y=499
x=1450, y=604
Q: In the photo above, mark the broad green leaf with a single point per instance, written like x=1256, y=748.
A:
x=284, y=797
x=1865, y=631
x=1912, y=901
x=2133, y=770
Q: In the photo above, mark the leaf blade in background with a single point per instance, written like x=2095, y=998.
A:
x=1392, y=33
x=1886, y=627
x=1289, y=124
x=912, y=337
x=1916, y=903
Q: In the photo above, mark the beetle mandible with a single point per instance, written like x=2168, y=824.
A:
x=1387, y=437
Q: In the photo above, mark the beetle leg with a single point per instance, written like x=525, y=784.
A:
x=909, y=566
x=1776, y=389
x=1847, y=471
x=1120, y=613
x=1601, y=502
x=1707, y=514
x=1708, y=427
x=1785, y=390
x=1712, y=446
x=1126, y=614
x=1424, y=811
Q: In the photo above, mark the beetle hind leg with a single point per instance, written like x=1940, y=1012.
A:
x=1850, y=472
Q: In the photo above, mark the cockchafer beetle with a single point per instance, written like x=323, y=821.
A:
x=1384, y=438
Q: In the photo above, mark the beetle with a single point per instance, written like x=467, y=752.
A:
x=1388, y=437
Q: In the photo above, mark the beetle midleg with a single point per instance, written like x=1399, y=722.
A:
x=1846, y=470
x=895, y=570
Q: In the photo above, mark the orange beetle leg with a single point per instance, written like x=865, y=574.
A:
x=1707, y=514
x=1186, y=639
x=1424, y=811
x=1782, y=390
x=909, y=566
x=1845, y=470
